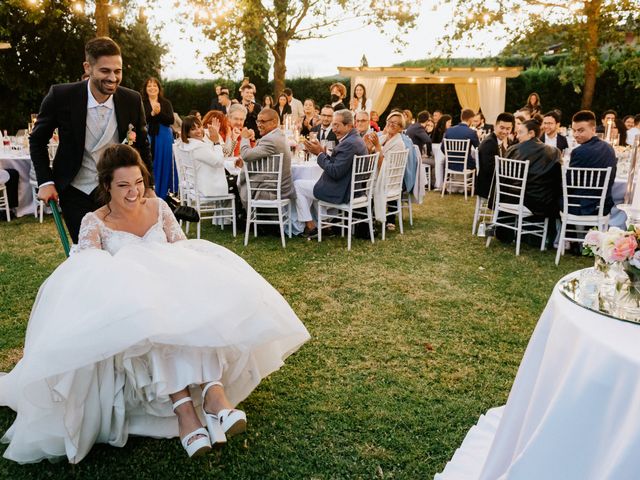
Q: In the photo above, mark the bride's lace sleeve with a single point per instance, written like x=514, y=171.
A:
x=170, y=225
x=89, y=236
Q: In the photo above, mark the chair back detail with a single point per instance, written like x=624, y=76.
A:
x=363, y=176
x=585, y=184
x=264, y=176
x=456, y=153
x=511, y=180
x=396, y=165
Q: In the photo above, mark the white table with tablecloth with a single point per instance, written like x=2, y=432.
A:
x=574, y=409
x=21, y=161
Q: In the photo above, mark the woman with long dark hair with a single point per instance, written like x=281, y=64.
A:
x=159, y=113
x=283, y=108
x=533, y=103
x=440, y=128
x=362, y=103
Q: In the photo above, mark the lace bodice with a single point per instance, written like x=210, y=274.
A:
x=95, y=234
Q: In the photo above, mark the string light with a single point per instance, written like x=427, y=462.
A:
x=77, y=6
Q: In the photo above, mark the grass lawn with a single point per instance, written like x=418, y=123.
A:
x=412, y=339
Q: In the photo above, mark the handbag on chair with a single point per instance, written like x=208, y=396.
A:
x=181, y=212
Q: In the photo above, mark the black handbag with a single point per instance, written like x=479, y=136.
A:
x=181, y=212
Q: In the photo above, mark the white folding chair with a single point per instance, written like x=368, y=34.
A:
x=511, y=184
x=582, y=184
x=456, y=154
x=4, y=201
x=483, y=213
x=264, y=178
x=427, y=173
x=396, y=164
x=362, y=181
x=214, y=208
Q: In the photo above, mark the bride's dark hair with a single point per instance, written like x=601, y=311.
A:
x=114, y=157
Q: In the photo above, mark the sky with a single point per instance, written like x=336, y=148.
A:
x=319, y=58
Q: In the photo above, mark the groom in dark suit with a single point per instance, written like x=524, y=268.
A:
x=89, y=115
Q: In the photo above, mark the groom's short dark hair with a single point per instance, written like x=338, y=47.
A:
x=100, y=47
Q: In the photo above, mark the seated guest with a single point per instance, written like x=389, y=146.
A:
x=237, y=115
x=309, y=119
x=544, y=180
x=496, y=143
x=633, y=132
x=362, y=123
x=324, y=128
x=335, y=183
x=480, y=124
x=591, y=152
x=226, y=134
x=207, y=156
x=417, y=132
x=374, y=119
x=550, y=127
x=391, y=138
x=272, y=142
x=338, y=93
x=462, y=131
x=196, y=114
x=619, y=132
x=436, y=116
x=442, y=125
x=524, y=112
x=283, y=108
x=408, y=116
x=607, y=115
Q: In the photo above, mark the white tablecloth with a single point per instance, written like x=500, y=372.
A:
x=20, y=161
x=574, y=408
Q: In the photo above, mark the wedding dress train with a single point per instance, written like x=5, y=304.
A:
x=114, y=331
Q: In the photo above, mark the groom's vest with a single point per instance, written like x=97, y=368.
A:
x=97, y=139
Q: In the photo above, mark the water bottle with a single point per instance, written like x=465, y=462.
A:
x=6, y=143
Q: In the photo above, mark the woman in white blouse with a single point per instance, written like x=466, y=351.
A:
x=207, y=155
x=362, y=103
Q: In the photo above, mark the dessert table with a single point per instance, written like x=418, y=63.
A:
x=21, y=161
x=574, y=408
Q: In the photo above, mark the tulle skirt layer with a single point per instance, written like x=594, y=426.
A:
x=110, y=337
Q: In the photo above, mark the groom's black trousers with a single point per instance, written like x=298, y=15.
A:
x=75, y=205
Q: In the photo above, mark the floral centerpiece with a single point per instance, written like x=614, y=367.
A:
x=618, y=248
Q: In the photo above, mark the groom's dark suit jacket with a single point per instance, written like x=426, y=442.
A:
x=65, y=108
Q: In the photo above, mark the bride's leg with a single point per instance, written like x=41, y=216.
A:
x=188, y=420
x=216, y=400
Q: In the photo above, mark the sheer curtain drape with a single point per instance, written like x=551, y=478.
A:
x=468, y=96
x=379, y=90
x=492, y=92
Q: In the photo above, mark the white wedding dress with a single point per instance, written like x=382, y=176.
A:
x=128, y=320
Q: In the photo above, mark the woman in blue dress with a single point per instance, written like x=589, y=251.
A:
x=159, y=113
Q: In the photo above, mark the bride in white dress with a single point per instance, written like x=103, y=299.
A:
x=142, y=332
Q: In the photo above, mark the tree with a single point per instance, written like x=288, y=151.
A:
x=47, y=47
x=277, y=23
x=583, y=29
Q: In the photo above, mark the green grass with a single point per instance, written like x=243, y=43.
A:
x=412, y=340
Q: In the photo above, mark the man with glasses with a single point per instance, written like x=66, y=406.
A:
x=362, y=123
x=323, y=129
x=272, y=142
x=334, y=185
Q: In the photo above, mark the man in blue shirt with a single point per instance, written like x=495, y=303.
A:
x=463, y=131
x=591, y=153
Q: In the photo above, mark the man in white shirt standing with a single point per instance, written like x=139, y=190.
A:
x=296, y=105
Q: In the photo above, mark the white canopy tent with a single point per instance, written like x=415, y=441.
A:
x=477, y=87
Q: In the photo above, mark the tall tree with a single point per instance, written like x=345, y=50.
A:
x=584, y=28
x=47, y=47
x=286, y=21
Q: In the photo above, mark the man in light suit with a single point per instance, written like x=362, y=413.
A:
x=551, y=137
x=89, y=115
x=272, y=142
x=463, y=131
x=335, y=183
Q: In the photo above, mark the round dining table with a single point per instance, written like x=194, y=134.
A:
x=573, y=412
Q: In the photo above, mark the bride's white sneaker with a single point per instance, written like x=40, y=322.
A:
x=198, y=446
x=226, y=423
